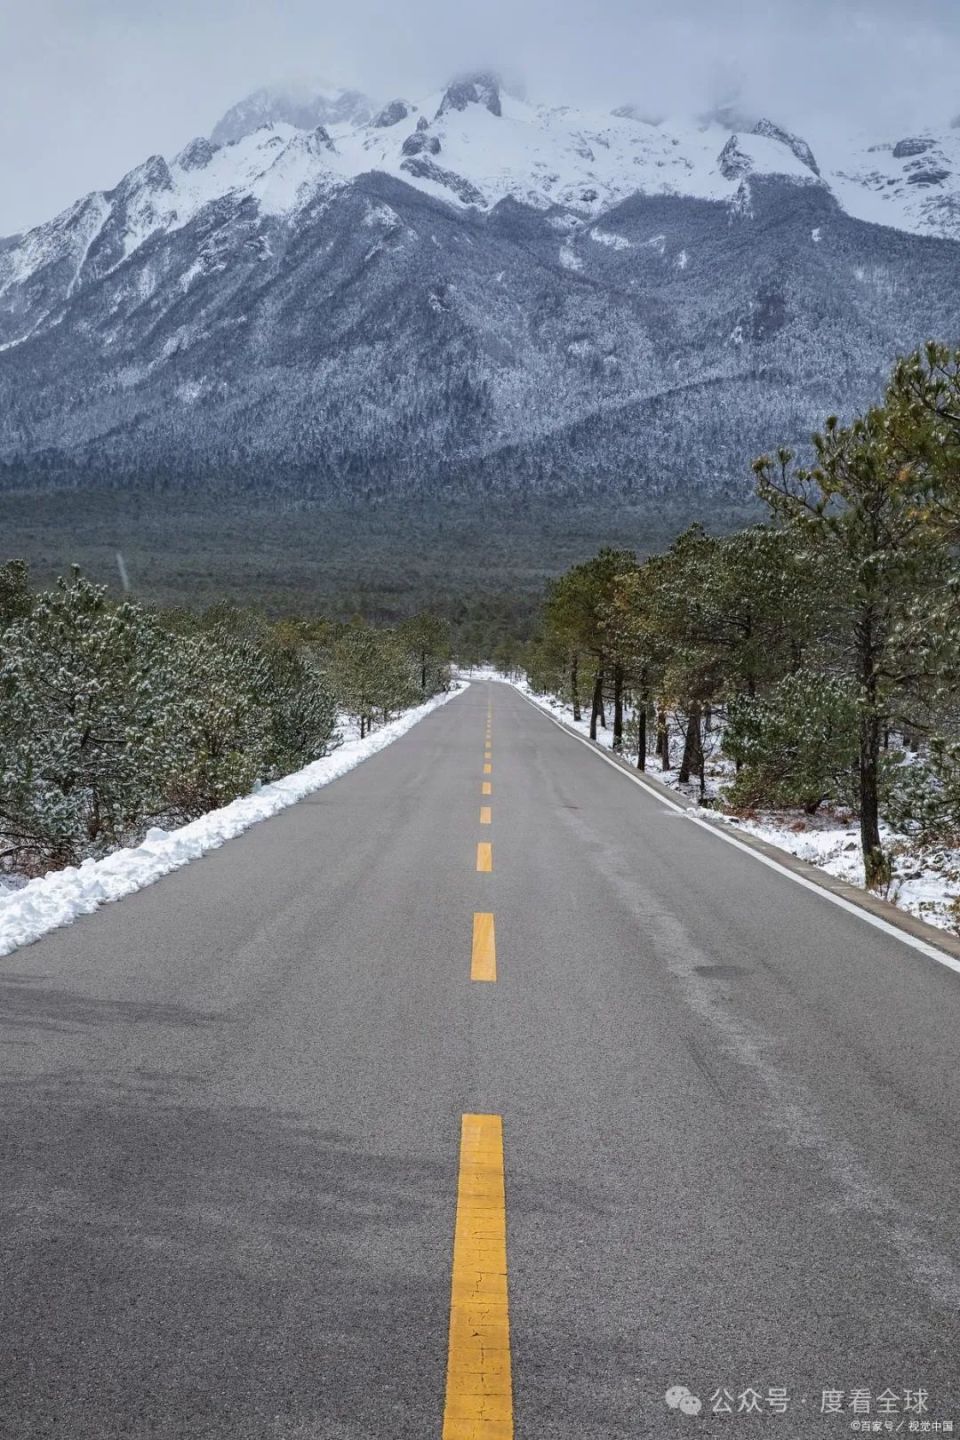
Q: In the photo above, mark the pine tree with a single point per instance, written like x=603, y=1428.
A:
x=427, y=637
x=220, y=733
x=796, y=745
x=83, y=726
x=879, y=513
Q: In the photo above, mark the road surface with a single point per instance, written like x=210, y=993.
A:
x=710, y=1133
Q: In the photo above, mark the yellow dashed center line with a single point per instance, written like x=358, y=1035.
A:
x=479, y=1402
x=488, y=769
x=486, y=788
x=486, y=814
x=484, y=856
x=483, y=960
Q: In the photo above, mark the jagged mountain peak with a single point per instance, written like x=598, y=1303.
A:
x=767, y=150
x=474, y=145
x=303, y=104
x=798, y=146
x=479, y=88
x=197, y=154
x=392, y=114
x=468, y=277
x=152, y=174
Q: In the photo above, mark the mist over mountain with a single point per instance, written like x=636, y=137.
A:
x=304, y=105
x=466, y=294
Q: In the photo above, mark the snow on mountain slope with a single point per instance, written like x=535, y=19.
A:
x=911, y=183
x=452, y=278
x=305, y=106
x=277, y=168
x=587, y=161
x=456, y=146
x=471, y=145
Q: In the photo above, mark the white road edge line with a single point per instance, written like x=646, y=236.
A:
x=876, y=921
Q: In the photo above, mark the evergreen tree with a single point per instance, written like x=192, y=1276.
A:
x=578, y=605
x=15, y=598
x=372, y=674
x=797, y=745
x=221, y=729
x=878, y=510
x=84, y=725
x=427, y=637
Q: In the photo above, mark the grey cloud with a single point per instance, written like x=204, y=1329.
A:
x=88, y=88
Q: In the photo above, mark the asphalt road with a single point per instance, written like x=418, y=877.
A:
x=232, y=1103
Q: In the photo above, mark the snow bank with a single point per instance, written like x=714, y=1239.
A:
x=58, y=898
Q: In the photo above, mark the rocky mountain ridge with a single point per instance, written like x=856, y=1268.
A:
x=469, y=291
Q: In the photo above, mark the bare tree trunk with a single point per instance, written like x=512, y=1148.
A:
x=692, y=761
x=875, y=863
x=618, y=707
x=642, y=736
x=663, y=737
x=597, y=709
x=575, y=684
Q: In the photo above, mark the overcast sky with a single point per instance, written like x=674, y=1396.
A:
x=89, y=88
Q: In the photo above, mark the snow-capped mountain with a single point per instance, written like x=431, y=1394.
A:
x=305, y=106
x=468, y=282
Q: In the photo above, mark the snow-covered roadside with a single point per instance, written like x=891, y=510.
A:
x=58, y=898
x=926, y=881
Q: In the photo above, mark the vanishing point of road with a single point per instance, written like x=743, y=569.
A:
x=481, y=1095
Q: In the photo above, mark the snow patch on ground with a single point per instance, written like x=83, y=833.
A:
x=607, y=237
x=60, y=897
x=926, y=879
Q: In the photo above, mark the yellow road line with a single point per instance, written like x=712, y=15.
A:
x=484, y=856
x=479, y=1401
x=486, y=814
x=488, y=769
x=483, y=960
x=486, y=788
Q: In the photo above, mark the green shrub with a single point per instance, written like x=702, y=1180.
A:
x=796, y=746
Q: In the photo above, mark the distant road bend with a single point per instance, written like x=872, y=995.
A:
x=480, y=1095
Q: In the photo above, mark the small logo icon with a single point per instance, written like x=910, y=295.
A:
x=678, y=1397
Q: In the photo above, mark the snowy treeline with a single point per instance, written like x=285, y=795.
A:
x=113, y=716
x=826, y=642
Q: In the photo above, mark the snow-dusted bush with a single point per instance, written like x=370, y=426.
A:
x=111, y=716
x=797, y=745
x=373, y=673
x=923, y=793
x=86, y=718
x=247, y=711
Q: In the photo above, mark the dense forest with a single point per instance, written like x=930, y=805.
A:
x=824, y=642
